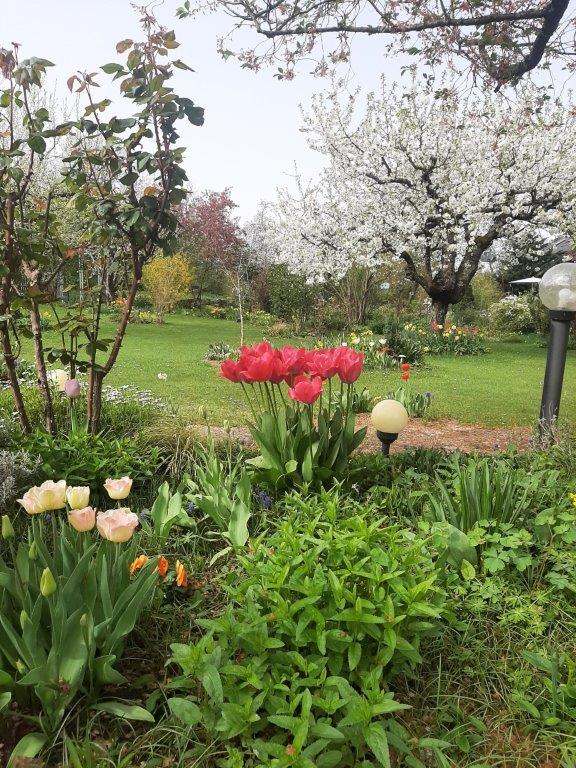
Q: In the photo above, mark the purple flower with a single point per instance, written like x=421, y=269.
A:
x=72, y=388
x=264, y=499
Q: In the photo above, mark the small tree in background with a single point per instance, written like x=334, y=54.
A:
x=214, y=239
x=167, y=280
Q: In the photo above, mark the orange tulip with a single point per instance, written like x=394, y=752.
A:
x=140, y=562
x=181, y=575
x=162, y=566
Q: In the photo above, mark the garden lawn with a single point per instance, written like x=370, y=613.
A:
x=500, y=388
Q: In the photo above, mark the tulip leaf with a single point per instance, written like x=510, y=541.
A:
x=125, y=711
x=28, y=746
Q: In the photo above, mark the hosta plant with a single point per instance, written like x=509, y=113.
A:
x=303, y=433
x=325, y=614
x=69, y=597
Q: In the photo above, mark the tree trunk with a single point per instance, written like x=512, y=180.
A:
x=97, y=376
x=5, y=288
x=440, y=310
x=240, y=309
x=41, y=374
x=10, y=362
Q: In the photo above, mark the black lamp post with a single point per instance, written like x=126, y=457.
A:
x=389, y=417
x=558, y=293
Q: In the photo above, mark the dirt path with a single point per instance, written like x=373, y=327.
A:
x=441, y=433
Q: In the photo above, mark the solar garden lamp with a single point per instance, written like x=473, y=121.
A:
x=389, y=417
x=557, y=293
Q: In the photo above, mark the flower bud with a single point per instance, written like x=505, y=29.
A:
x=20, y=666
x=24, y=619
x=33, y=551
x=47, y=583
x=7, y=529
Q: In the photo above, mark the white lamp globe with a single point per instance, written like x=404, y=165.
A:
x=389, y=416
x=558, y=288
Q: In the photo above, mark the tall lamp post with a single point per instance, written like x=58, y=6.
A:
x=389, y=417
x=557, y=293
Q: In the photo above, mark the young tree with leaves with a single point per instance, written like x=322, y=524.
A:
x=124, y=175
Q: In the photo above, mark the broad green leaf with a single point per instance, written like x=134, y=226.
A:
x=212, y=684
x=125, y=711
x=28, y=746
x=185, y=710
x=376, y=739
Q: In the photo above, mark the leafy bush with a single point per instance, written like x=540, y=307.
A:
x=167, y=279
x=515, y=314
x=487, y=489
x=83, y=459
x=219, y=350
x=329, y=609
x=16, y=470
x=417, y=404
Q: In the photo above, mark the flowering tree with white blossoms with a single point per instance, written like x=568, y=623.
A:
x=433, y=180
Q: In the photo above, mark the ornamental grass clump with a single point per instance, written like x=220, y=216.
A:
x=303, y=432
x=68, y=597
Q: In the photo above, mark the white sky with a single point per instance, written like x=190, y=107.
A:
x=250, y=140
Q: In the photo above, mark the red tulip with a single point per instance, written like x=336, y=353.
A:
x=258, y=369
x=349, y=365
x=306, y=390
x=322, y=362
x=294, y=359
x=405, y=376
x=231, y=370
x=405, y=367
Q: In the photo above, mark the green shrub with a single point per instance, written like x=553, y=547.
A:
x=328, y=610
x=83, y=459
x=516, y=314
x=417, y=404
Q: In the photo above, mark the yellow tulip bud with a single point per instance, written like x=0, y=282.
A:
x=20, y=666
x=24, y=618
x=47, y=583
x=7, y=529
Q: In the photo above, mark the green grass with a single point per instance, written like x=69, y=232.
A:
x=500, y=388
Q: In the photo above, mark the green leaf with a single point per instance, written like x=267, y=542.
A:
x=28, y=746
x=325, y=731
x=467, y=570
x=376, y=739
x=212, y=684
x=354, y=655
x=5, y=699
x=125, y=711
x=37, y=143
x=185, y=710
